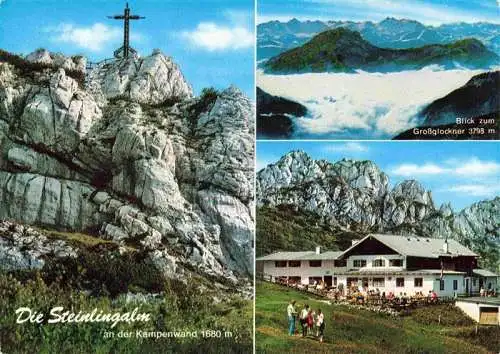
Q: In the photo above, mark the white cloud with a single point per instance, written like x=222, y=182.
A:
x=93, y=38
x=372, y=105
x=411, y=170
x=470, y=168
x=236, y=33
x=476, y=190
x=213, y=37
x=350, y=147
x=476, y=167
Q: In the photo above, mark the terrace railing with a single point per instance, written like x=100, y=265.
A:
x=332, y=294
x=92, y=64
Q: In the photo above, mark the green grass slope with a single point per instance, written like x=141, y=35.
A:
x=100, y=277
x=344, y=50
x=359, y=331
x=282, y=228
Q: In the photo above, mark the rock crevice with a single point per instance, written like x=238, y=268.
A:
x=121, y=157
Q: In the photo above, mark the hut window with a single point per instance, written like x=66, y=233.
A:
x=359, y=263
x=315, y=264
x=400, y=282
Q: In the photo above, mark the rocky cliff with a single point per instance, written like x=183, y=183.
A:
x=355, y=196
x=129, y=156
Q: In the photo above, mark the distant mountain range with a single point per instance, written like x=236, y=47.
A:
x=330, y=203
x=345, y=50
x=275, y=37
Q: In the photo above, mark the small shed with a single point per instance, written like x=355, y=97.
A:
x=483, y=310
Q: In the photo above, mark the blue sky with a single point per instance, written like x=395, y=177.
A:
x=457, y=172
x=212, y=40
x=432, y=12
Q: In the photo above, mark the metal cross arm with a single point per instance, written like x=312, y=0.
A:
x=126, y=17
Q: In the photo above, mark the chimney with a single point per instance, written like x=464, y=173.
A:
x=318, y=249
x=445, y=246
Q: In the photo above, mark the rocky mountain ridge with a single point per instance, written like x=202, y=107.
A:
x=275, y=37
x=344, y=50
x=356, y=196
x=132, y=157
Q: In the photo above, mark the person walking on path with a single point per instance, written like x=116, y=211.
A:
x=292, y=313
x=320, y=325
x=303, y=319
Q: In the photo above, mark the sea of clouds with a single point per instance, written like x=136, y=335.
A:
x=363, y=105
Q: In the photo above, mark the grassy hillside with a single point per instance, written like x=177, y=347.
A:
x=284, y=229
x=180, y=309
x=101, y=277
x=358, y=331
x=341, y=49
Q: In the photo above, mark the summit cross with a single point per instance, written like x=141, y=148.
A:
x=126, y=17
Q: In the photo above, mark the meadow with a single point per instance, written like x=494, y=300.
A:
x=435, y=329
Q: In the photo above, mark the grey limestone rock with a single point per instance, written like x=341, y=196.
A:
x=133, y=155
x=356, y=195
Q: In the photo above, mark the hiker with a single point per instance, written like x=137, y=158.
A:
x=310, y=322
x=320, y=325
x=292, y=313
x=303, y=319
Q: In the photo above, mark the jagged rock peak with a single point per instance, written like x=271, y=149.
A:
x=414, y=190
x=43, y=56
x=446, y=210
x=298, y=156
x=355, y=195
x=153, y=79
x=132, y=158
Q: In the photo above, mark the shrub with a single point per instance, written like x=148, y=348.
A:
x=88, y=337
x=102, y=270
x=206, y=100
x=446, y=315
x=168, y=102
